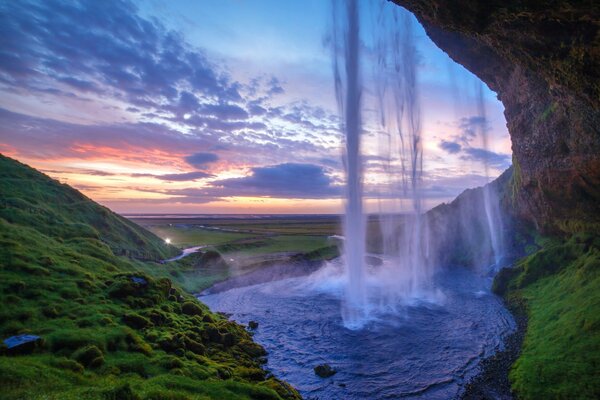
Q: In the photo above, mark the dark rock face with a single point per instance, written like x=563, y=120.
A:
x=543, y=60
x=459, y=231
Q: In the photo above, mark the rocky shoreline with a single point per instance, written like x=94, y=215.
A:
x=492, y=382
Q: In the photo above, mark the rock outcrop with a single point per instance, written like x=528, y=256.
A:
x=543, y=61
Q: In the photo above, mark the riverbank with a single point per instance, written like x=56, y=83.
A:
x=493, y=381
x=556, y=290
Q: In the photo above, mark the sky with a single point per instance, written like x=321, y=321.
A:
x=215, y=106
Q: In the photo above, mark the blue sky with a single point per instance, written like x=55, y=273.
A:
x=211, y=106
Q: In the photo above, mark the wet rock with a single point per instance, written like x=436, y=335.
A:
x=21, y=344
x=140, y=280
x=324, y=371
x=253, y=325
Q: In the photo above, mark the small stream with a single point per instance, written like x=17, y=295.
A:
x=186, y=252
x=423, y=350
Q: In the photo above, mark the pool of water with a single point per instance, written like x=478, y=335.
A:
x=423, y=349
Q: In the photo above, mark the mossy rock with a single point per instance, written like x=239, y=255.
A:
x=254, y=350
x=136, y=321
x=89, y=356
x=65, y=363
x=123, y=392
x=194, y=346
x=191, y=308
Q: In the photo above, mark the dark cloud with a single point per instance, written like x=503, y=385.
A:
x=186, y=176
x=225, y=111
x=288, y=180
x=496, y=160
x=274, y=87
x=472, y=127
x=199, y=160
x=450, y=147
x=43, y=138
x=105, y=48
x=256, y=109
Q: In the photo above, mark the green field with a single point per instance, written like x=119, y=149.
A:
x=182, y=236
x=244, y=244
x=251, y=236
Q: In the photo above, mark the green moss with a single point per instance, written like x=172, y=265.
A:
x=67, y=269
x=559, y=284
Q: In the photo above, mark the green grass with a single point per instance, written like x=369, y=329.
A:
x=560, y=285
x=183, y=236
x=60, y=211
x=277, y=244
x=193, y=273
x=64, y=276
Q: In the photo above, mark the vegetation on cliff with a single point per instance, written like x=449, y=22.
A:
x=558, y=286
x=111, y=327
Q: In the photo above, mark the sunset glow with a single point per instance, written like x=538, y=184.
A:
x=205, y=109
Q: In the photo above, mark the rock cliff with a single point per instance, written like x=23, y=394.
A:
x=543, y=61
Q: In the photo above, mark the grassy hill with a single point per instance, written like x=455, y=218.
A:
x=557, y=287
x=81, y=278
x=32, y=199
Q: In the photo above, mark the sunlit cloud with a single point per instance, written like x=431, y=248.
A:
x=123, y=104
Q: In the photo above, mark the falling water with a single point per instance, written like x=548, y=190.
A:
x=348, y=92
x=395, y=79
x=395, y=87
x=490, y=197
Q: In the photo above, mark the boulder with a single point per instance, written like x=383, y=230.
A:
x=324, y=371
x=20, y=344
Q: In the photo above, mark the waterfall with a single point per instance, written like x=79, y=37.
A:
x=409, y=252
x=491, y=202
x=348, y=94
x=404, y=238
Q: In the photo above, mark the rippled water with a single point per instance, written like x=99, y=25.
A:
x=423, y=350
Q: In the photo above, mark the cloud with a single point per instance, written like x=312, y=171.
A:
x=225, y=111
x=274, y=87
x=199, y=160
x=151, y=143
x=288, y=180
x=105, y=48
x=496, y=160
x=450, y=147
x=183, y=177
x=472, y=127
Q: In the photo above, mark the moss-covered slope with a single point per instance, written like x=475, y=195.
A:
x=30, y=198
x=559, y=287
x=110, y=328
